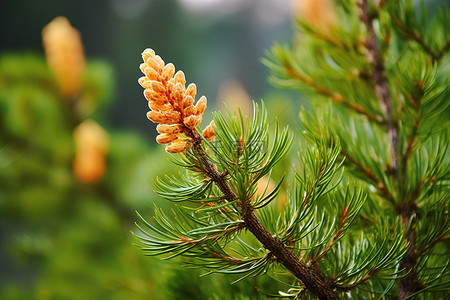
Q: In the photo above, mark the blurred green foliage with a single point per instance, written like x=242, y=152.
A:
x=64, y=239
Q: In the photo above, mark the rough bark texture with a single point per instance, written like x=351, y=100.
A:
x=312, y=281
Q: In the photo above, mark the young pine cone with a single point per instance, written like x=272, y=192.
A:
x=171, y=103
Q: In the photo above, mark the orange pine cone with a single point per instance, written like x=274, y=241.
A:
x=171, y=103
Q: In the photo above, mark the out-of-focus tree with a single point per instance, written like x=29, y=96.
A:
x=66, y=196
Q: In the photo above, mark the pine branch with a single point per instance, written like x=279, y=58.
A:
x=328, y=38
x=313, y=282
x=435, y=55
x=443, y=51
x=380, y=81
x=439, y=237
x=370, y=175
x=335, y=238
x=226, y=258
x=379, y=258
x=336, y=97
x=366, y=277
x=290, y=230
x=415, y=128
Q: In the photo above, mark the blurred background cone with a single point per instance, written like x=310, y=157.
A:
x=233, y=94
x=91, y=144
x=321, y=14
x=64, y=52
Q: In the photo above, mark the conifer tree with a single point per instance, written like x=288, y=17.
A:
x=364, y=212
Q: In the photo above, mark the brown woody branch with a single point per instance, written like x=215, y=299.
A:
x=315, y=283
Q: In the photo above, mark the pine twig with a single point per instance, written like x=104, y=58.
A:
x=315, y=283
x=228, y=259
x=370, y=175
x=443, y=51
x=438, y=238
x=338, y=98
x=366, y=277
x=336, y=236
x=319, y=34
x=415, y=128
x=307, y=199
x=348, y=46
x=436, y=55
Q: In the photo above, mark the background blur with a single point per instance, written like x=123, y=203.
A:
x=212, y=41
x=66, y=235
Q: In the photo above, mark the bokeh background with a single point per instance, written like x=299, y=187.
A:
x=212, y=41
x=67, y=235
